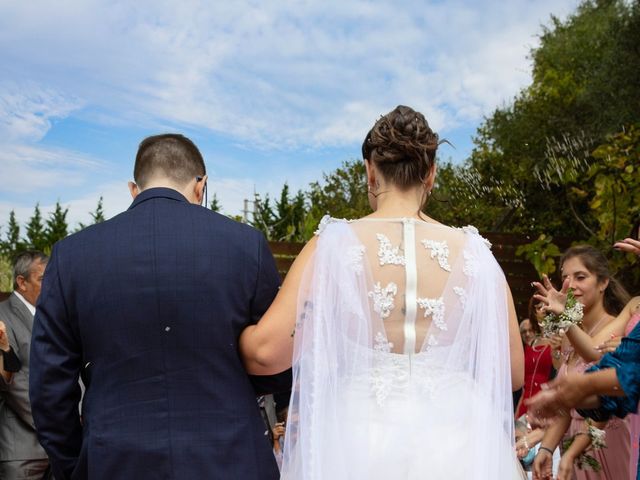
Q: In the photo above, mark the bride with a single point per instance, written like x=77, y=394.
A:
x=402, y=331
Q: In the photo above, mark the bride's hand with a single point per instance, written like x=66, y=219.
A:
x=554, y=300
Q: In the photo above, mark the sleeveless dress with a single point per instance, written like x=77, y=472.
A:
x=615, y=458
x=537, y=371
x=401, y=357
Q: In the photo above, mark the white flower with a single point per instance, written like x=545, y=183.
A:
x=383, y=298
x=439, y=250
x=435, y=308
x=388, y=254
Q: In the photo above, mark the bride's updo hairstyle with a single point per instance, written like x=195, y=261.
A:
x=402, y=146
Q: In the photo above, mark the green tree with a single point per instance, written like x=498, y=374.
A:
x=285, y=220
x=12, y=243
x=36, y=234
x=57, y=227
x=215, y=204
x=98, y=214
x=584, y=88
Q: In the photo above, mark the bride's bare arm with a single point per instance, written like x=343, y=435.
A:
x=515, y=346
x=267, y=347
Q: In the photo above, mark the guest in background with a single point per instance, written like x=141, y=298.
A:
x=538, y=362
x=585, y=270
x=21, y=456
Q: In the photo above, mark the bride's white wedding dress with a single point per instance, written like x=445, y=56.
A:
x=401, y=362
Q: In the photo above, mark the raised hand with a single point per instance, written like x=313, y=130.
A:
x=4, y=339
x=554, y=300
x=559, y=395
x=628, y=245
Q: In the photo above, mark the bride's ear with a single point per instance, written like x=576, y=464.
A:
x=371, y=173
x=430, y=179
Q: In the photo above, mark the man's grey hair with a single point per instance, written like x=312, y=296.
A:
x=24, y=261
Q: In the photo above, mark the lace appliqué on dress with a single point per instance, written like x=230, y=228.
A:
x=381, y=344
x=470, y=264
x=435, y=308
x=354, y=258
x=383, y=298
x=462, y=294
x=439, y=250
x=324, y=221
x=388, y=254
x=474, y=231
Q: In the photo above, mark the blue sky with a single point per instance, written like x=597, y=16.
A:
x=271, y=91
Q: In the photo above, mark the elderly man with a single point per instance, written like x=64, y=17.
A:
x=21, y=456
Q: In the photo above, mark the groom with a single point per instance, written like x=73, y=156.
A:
x=147, y=308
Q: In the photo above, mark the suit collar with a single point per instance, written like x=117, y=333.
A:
x=158, y=192
x=21, y=311
x=31, y=308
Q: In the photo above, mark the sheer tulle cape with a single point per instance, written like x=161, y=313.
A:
x=363, y=409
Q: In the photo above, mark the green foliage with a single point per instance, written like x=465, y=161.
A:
x=542, y=253
x=215, y=204
x=12, y=243
x=98, y=214
x=36, y=234
x=585, y=77
x=57, y=227
x=6, y=274
x=341, y=194
x=615, y=176
x=558, y=146
x=285, y=220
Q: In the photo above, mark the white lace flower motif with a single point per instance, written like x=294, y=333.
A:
x=435, y=308
x=474, y=231
x=323, y=224
x=381, y=344
x=383, y=298
x=439, y=250
x=354, y=258
x=462, y=294
x=388, y=254
x=470, y=267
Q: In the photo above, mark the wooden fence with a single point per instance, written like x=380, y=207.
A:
x=519, y=272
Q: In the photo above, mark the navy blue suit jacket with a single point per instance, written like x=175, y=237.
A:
x=148, y=308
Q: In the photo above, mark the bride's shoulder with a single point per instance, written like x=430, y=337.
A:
x=329, y=220
x=472, y=231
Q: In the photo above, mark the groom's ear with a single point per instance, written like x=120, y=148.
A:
x=133, y=190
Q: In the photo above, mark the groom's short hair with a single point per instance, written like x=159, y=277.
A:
x=171, y=155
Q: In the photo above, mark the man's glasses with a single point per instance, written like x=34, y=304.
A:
x=206, y=200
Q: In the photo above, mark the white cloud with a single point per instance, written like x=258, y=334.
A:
x=26, y=110
x=279, y=74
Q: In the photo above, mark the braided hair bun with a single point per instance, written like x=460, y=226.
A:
x=402, y=146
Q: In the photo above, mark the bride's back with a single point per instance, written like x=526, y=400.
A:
x=415, y=266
